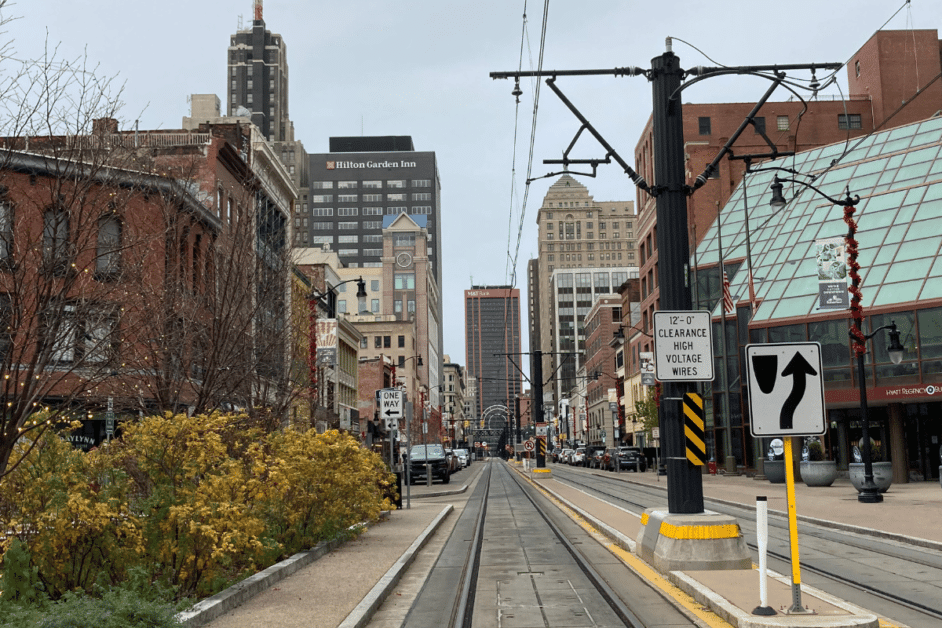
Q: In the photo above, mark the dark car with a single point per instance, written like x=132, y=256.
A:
x=609, y=459
x=592, y=452
x=438, y=463
x=630, y=458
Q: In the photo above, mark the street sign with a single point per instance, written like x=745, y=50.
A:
x=390, y=403
x=528, y=445
x=541, y=429
x=109, y=418
x=786, y=389
x=683, y=346
x=647, y=368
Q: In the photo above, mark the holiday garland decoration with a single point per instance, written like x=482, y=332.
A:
x=855, y=308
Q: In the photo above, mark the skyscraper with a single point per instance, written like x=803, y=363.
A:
x=492, y=330
x=258, y=79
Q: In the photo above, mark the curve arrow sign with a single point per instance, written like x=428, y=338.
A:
x=799, y=369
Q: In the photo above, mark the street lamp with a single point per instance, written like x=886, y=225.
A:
x=315, y=298
x=869, y=493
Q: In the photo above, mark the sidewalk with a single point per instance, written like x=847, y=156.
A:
x=910, y=511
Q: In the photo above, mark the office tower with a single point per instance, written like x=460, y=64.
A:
x=492, y=331
x=258, y=79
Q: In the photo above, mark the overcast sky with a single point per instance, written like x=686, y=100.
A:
x=420, y=68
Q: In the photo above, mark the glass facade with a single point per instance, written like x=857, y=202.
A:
x=898, y=177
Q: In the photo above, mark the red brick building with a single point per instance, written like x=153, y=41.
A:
x=601, y=324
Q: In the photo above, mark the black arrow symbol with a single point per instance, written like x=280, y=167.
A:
x=391, y=412
x=798, y=368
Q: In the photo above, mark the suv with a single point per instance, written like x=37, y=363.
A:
x=437, y=461
x=591, y=455
x=631, y=458
x=463, y=457
x=578, y=457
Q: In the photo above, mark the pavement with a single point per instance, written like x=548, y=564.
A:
x=344, y=585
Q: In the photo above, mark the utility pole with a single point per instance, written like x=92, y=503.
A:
x=684, y=481
x=536, y=404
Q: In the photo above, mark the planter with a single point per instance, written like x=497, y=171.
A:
x=818, y=472
x=940, y=474
x=775, y=471
x=882, y=475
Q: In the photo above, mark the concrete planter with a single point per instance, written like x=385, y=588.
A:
x=818, y=472
x=882, y=475
x=775, y=471
x=940, y=474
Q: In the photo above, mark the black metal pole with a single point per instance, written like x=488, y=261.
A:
x=869, y=493
x=684, y=482
x=536, y=404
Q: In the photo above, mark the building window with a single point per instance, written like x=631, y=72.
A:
x=322, y=198
x=86, y=334
x=347, y=211
x=404, y=239
x=759, y=124
x=782, y=123
x=849, y=121
x=857, y=68
x=346, y=185
x=347, y=239
x=421, y=183
x=373, y=224
x=423, y=210
x=704, y=124
x=395, y=211
x=373, y=185
x=402, y=361
x=364, y=342
x=396, y=184
x=6, y=230
x=396, y=197
x=377, y=342
x=108, y=256
x=347, y=252
x=322, y=185
x=405, y=281
x=374, y=306
x=372, y=252
x=402, y=341
x=342, y=306
x=56, y=240
x=372, y=198
x=346, y=198
x=411, y=306
x=387, y=342
x=372, y=211
x=322, y=226
x=422, y=196
x=347, y=225
x=398, y=306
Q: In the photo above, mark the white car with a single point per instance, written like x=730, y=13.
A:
x=463, y=457
x=578, y=457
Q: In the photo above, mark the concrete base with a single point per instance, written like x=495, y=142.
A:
x=705, y=541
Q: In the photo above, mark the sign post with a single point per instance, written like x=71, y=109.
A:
x=786, y=391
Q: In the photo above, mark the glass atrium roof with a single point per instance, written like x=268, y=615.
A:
x=898, y=176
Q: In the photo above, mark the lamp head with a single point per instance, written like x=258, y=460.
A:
x=778, y=198
x=895, y=349
x=361, y=296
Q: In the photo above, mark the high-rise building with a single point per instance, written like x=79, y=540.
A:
x=492, y=331
x=587, y=249
x=358, y=182
x=257, y=84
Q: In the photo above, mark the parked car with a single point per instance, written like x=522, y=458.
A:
x=631, y=458
x=578, y=457
x=436, y=459
x=454, y=465
x=463, y=457
x=565, y=455
x=609, y=459
x=591, y=459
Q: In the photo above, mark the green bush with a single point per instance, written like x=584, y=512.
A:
x=116, y=608
x=815, y=451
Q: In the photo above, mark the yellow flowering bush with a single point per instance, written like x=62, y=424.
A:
x=196, y=501
x=70, y=514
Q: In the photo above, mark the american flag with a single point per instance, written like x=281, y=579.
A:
x=727, y=297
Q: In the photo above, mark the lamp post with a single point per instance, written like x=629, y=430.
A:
x=315, y=298
x=869, y=493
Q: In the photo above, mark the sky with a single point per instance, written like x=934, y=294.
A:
x=420, y=68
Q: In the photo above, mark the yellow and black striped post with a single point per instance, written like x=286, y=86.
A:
x=693, y=429
x=541, y=450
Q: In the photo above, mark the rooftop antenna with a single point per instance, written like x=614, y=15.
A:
x=258, y=10
x=239, y=27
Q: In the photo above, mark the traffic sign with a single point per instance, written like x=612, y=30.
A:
x=390, y=403
x=693, y=429
x=528, y=445
x=786, y=389
x=683, y=346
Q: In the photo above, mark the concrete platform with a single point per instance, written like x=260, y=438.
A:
x=732, y=596
x=700, y=541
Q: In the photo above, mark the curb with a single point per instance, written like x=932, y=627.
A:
x=457, y=491
x=361, y=615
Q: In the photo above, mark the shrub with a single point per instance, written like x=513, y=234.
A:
x=815, y=451
x=179, y=506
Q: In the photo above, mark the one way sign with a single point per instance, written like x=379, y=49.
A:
x=390, y=403
x=786, y=389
